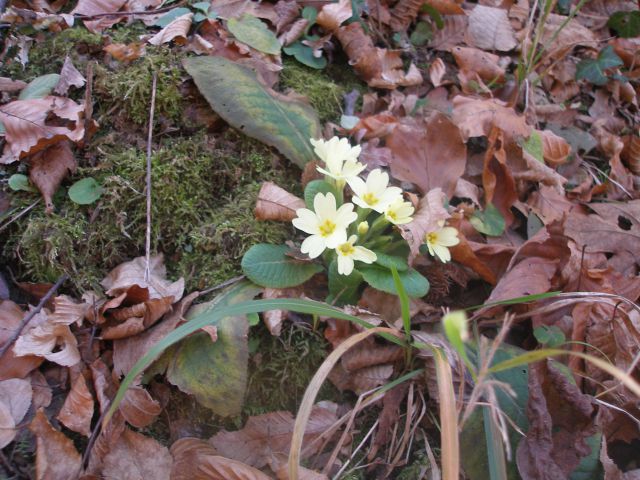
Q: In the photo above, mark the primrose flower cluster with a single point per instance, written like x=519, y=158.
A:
x=341, y=229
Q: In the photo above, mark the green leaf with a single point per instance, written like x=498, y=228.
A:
x=490, y=222
x=313, y=188
x=255, y=33
x=269, y=266
x=343, y=289
x=404, y=302
x=389, y=261
x=85, y=191
x=216, y=372
x=534, y=224
x=381, y=278
x=421, y=35
x=202, y=6
x=549, y=336
x=39, y=87
x=533, y=146
x=625, y=24
x=20, y=182
x=592, y=70
x=170, y=16
x=434, y=14
x=304, y=54
x=310, y=14
x=234, y=92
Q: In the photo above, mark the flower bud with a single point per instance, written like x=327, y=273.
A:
x=363, y=228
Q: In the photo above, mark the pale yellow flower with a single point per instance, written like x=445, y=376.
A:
x=347, y=252
x=399, y=212
x=339, y=157
x=438, y=242
x=327, y=225
x=375, y=193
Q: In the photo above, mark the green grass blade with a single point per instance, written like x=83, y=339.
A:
x=517, y=300
x=495, y=452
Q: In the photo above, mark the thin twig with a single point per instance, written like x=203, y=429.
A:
x=33, y=313
x=224, y=284
x=22, y=213
x=147, y=272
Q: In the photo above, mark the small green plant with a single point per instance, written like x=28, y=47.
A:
x=594, y=70
x=301, y=50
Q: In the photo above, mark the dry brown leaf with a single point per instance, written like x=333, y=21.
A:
x=29, y=129
x=474, y=61
x=107, y=439
x=269, y=434
x=49, y=167
x=9, y=85
x=15, y=400
x=427, y=218
x=11, y=365
x=137, y=457
x=555, y=149
x=571, y=35
x=476, y=118
x=631, y=153
x=549, y=204
x=333, y=15
x=129, y=321
x=363, y=356
x=446, y=7
x=282, y=473
x=77, y=410
x=464, y=254
x=56, y=457
x=294, y=32
x=276, y=204
x=42, y=394
x=121, y=278
x=361, y=380
x=236, y=8
x=97, y=7
x=125, y=52
x=536, y=171
x=69, y=77
x=53, y=341
x=430, y=154
x=67, y=311
x=451, y=34
x=288, y=11
x=138, y=407
x=273, y=318
x=176, y=31
x=404, y=12
x=437, y=71
x=489, y=29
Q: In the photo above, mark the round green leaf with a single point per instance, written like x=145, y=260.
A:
x=39, y=87
x=85, y=191
x=269, y=266
x=304, y=54
x=20, y=182
x=381, y=278
x=313, y=188
x=255, y=33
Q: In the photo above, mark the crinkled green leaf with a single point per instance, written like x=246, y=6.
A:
x=39, y=87
x=234, y=92
x=381, y=278
x=255, y=33
x=269, y=266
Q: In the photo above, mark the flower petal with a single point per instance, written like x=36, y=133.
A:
x=364, y=255
x=442, y=253
x=325, y=206
x=338, y=237
x=307, y=221
x=345, y=265
x=313, y=246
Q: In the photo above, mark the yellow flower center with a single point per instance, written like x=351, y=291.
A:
x=327, y=228
x=346, y=249
x=370, y=199
x=392, y=215
x=432, y=238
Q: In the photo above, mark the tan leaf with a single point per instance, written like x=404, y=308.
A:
x=107, y=439
x=269, y=434
x=446, y=7
x=125, y=52
x=137, y=457
x=437, y=71
x=176, y=30
x=294, y=32
x=333, y=15
x=275, y=203
x=15, y=400
x=77, y=410
x=273, y=318
x=131, y=273
x=536, y=171
x=97, y=7
x=631, y=153
x=11, y=365
x=69, y=77
x=138, y=407
x=42, y=394
x=56, y=457
x=67, y=311
x=9, y=85
x=288, y=11
x=485, y=64
x=129, y=321
x=43, y=339
x=49, y=167
x=29, y=129
x=555, y=149
x=565, y=39
x=427, y=218
x=476, y=118
x=429, y=155
x=403, y=14
x=489, y=29
x=361, y=380
x=451, y=34
x=363, y=356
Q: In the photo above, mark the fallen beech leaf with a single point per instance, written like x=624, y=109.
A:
x=403, y=13
x=43, y=339
x=427, y=218
x=67, y=311
x=11, y=365
x=176, y=30
x=288, y=11
x=107, y=439
x=56, y=457
x=15, y=400
x=9, y=85
x=137, y=457
x=237, y=8
x=49, y=167
x=631, y=153
x=446, y=7
x=273, y=318
x=437, y=71
x=366, y=356
x=195, y=459
x=472, y=60
x=555, y=149
x=131, y=273
x=126, y=322
x=565, y=39
x=275, y=203
x=429, y=155
x=333, y=15
x=69, y=77
x=27, y=128
x=529, y=277
x=97, y=7
x=42, y=394
x=77, y=410
x=295, y=32
x=270, y=434
x=476, y=118
x=451, y=34
x=138, y=407
x=362, y=380
x=125, y=52
x=489, y=29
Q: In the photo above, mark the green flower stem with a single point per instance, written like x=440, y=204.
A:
x=377, y=227
x=339, y=184
x=328, y=256
x=381, y=242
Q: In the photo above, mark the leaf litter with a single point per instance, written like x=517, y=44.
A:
x=524, y=138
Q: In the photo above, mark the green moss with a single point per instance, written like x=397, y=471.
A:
x=203, y=192
x=324, y=93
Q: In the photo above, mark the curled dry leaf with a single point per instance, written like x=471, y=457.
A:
x=275, y=203
x=485, y=65
x=333, y=15
x=294, y=32
x=631, y=153
x=555, y=149
x=437, y=71
x=15, y=400
x=427, y=218
x=177, y=30
x=69, y=77
x=56, y=457
x=49, y=167
x=77, y=410
x=129, y=321
x=97, y=7
x=29, y=129
x=67, y=311
x=404, y=12
x=52, y=341
x=137, y=457
x=125, y=52
x=361, y=380
x=451, y=34
x=138, y=407
x=11, y=365
x=490, y=29
x=365, y=356
x=274, y=318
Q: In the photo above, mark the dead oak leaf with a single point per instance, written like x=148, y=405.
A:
x=276, y=204
x=77, y=411
x=137, y=457
x=427, y=218
x=56, y=457
x=49, y=167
